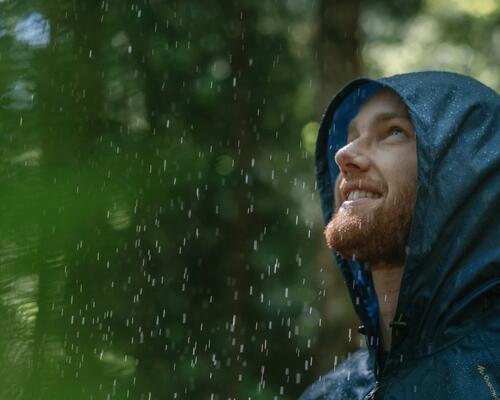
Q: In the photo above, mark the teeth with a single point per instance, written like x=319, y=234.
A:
x=359, y=194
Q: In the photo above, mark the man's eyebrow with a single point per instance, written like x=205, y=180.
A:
x=381, y=117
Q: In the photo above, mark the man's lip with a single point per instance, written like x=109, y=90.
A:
x=348, y=187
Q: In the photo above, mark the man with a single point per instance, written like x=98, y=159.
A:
x=414, y=163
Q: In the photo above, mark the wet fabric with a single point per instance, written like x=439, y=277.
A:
x=446, y=342
x=351, y=380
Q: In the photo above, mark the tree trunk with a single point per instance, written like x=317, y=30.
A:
x=339, y=47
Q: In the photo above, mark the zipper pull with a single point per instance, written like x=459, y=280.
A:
x=371, y=394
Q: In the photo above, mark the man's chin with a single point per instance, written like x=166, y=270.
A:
x=347, y=232
x=367, y=237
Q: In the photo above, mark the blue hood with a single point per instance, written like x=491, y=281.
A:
x=452, y=268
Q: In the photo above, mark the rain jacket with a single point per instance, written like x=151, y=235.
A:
x=446, y=334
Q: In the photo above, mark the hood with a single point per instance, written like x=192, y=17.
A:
x=453, y=262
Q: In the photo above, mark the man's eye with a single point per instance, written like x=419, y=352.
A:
x=397, y=132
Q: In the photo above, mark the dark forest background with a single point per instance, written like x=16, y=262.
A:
x=161, y=237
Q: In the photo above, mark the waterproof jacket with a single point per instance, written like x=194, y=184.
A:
x=446, y=334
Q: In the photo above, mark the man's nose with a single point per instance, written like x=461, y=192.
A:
x=351, y=159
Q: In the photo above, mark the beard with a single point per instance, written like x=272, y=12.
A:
x=377, y=235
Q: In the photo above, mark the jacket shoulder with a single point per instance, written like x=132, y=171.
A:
x=351, y=380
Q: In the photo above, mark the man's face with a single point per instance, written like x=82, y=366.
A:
x=376, y=188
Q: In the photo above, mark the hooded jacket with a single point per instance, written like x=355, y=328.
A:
x=446, y=334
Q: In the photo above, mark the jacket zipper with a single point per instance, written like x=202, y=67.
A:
x=371, y=393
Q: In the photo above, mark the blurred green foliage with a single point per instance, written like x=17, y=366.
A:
x=151, y=245
x=455, y=35
x=160, y=233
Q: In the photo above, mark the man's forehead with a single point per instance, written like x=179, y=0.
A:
x=384, y=105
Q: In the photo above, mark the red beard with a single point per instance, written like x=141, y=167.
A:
x=375, y=236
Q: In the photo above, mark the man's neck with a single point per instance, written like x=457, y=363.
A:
x=387, y=281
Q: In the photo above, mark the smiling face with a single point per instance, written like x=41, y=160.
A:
x=377, y=184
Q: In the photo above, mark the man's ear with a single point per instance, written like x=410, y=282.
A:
x=337, y=193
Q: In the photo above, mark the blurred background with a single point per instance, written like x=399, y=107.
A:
x=161, y=237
